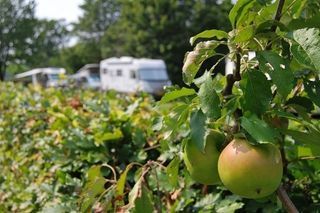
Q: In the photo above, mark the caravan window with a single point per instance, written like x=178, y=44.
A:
x=105, y=71
x=95, y=77
x=54, y=77
x=153, y=74
x=133, y=74
x=119, y=72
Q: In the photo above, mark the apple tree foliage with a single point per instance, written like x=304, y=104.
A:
x=271, y=95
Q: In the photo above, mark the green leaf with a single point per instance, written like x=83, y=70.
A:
x=257, y=93
x=173, y=171
x=138, y=137
x=304, y=151
x=309, y=40
x=198, y=129
x=265, y=26
x=209, y=99
x=309, y=138
x=219, y=34
x=170, y=96
x=122, y=180
x=101, y=137
x=244, y=34
x=258, y=129
x=313, y=90
x=141, y=198
x=229, y=204
x=279, y=71
x=93, y=188
x=300, y=23
x=305, y=102
x=194, y=59
x=208, y=202
x=301, y=56
x=239, y=10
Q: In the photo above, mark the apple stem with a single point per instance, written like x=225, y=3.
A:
x=286, y=201
x=204, y=189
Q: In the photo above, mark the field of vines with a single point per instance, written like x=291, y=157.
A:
x=71, y=150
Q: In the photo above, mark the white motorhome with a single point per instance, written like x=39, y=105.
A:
x=127, y=74
x=88, y=76
x=47, y=77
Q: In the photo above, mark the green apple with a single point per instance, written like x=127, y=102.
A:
x=203, y=166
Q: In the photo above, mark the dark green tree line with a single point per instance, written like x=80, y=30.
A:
x=154, y=29
x=25, y=41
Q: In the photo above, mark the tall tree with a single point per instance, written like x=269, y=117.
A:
x=49, y=37
x=16, y=29
x=158, y=28
x=98, y=16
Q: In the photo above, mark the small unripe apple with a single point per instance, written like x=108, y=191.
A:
x=203, y=165
x=251, y=171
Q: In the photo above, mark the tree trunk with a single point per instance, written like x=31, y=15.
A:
x=2, y=71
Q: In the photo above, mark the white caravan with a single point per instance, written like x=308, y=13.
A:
x=88, y=76
x=47, y=77
x=127, y=74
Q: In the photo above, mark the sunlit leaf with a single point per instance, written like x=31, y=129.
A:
x=170, y=96
x=239, y=10
x=309, y=40
x=219, y=34
x=258, y=129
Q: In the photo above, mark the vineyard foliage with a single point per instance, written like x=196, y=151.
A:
x=50, y=138
x=66, y=149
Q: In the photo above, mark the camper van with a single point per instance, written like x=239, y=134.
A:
x=47, y=77
x=88, y=76
x=129, y=75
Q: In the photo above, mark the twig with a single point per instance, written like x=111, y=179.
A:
x=113, y=171
x=227, y=92
x=305, y=158
x=151, y=147
x=232, y=78
x=276, y=18
x=286, y=201
x=216, y=64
